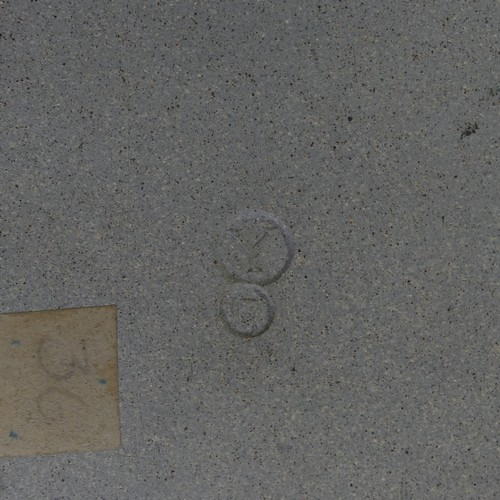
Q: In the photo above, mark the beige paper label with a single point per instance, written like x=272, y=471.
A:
x=59, y=381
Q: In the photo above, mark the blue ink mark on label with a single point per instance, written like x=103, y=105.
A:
x=13, y=434
x=103, y=381
x=15, y=343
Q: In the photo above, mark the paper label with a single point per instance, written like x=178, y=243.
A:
x=59, y=381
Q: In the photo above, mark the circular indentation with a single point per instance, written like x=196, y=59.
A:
x=247, y=309
x=256, y=247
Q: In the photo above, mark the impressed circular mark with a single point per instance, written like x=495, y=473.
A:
x=256, y=247
x=247, y=309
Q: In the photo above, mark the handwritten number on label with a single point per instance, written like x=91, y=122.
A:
x=61, y=360
x=57, y=404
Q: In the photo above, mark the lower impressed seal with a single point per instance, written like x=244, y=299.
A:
x=247, y=309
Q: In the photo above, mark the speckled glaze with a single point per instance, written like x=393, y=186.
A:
x=129, y=131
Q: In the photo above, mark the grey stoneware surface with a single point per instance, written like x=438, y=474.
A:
x=132, y=132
